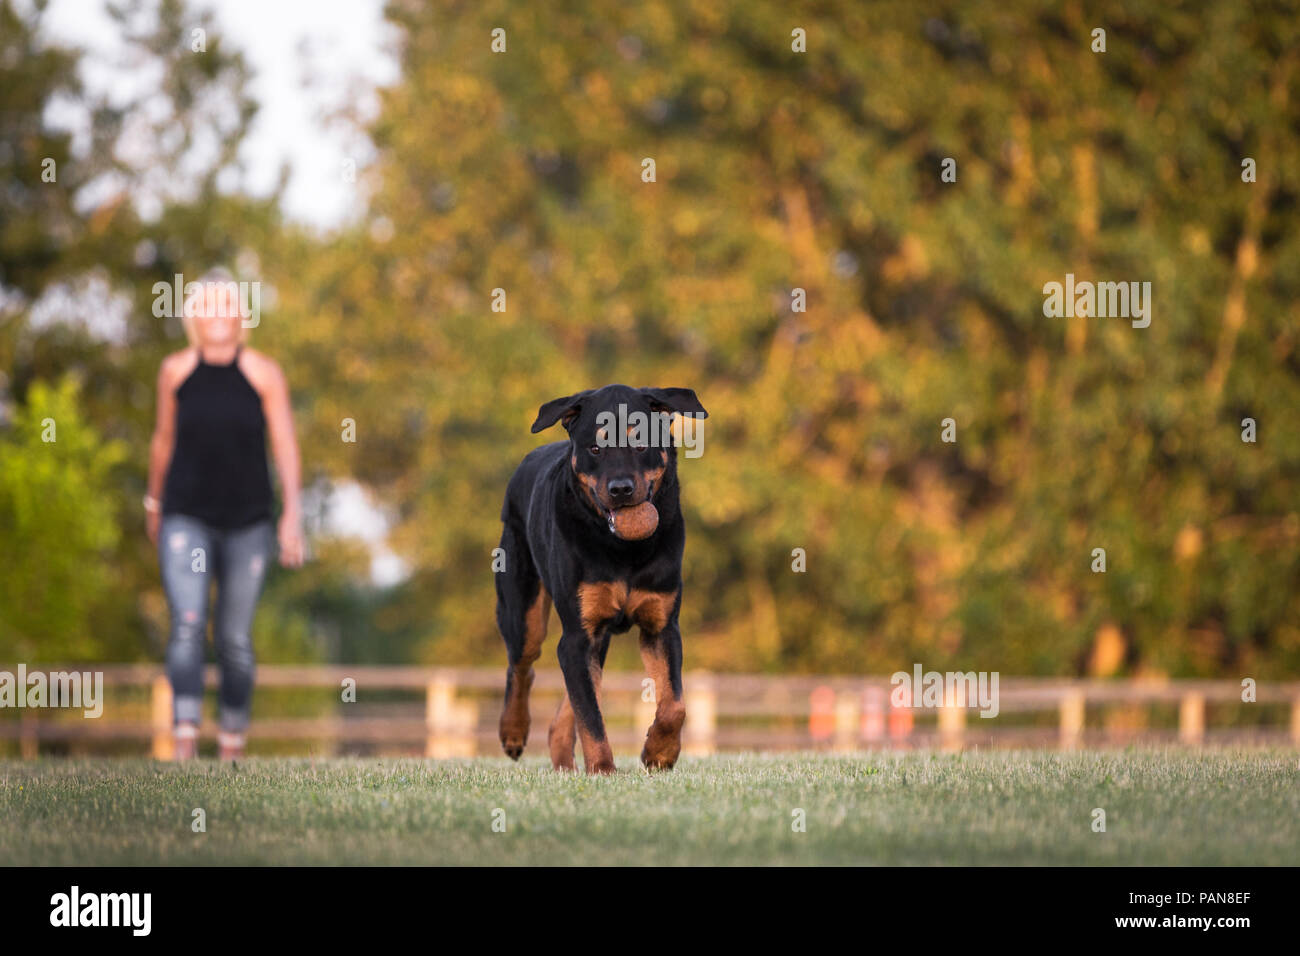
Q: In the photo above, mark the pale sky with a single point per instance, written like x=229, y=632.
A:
x=310, y=59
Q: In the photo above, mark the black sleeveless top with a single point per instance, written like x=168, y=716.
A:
x=218, y=471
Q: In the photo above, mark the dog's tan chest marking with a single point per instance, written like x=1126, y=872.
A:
x=605, y=600
x=651, y=609
x=599, y=602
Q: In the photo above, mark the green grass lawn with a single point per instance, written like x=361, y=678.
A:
x=1000, y=807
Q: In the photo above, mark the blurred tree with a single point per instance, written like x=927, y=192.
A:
x=775, y=170
x=58, y=527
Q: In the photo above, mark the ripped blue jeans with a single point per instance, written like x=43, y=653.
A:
x=193, y=557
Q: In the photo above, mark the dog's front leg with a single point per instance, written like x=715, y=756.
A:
x=661, y=654
x=581, y=660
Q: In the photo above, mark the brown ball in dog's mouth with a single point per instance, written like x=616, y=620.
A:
x=635, y=522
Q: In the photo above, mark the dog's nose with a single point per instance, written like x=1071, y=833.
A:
x=620, y=489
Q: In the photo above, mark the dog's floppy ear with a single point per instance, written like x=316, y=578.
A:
x=566, y=408
x=681, y=400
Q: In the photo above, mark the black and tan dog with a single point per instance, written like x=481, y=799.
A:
x=593, y=525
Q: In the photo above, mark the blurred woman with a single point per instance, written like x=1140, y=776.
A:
x=209, y=506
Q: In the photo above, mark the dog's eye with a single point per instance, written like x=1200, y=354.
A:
x=594, y=449
x=638, y=447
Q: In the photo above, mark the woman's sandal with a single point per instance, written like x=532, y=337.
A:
x=187, y=741
x=230, y=746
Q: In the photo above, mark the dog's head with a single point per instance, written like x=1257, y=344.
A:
x=620, y=438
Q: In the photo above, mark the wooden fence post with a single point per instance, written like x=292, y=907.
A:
x=1073, y=707
x=952, y=718
x=846, y=720
x=451, y=723
x=701, y=715
x=1191, y=719
x=164, y=743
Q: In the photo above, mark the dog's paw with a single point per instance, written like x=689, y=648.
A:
x=663, y=742
x=512, y=742
x=658, y=760
x=513, y=730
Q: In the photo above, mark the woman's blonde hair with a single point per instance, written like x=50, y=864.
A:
x=218, y=277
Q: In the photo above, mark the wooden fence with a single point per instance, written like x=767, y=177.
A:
x=447, y=712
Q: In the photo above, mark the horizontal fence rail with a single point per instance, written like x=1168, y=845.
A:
x=450, y=712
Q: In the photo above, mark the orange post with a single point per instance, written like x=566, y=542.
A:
x=952, y=718
x=1191, y=719
x=164, y=744
x=821, y=714
x=900, y=715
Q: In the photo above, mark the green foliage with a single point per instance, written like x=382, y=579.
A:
x=58, y=524
x=522, y=171
x=775, y=170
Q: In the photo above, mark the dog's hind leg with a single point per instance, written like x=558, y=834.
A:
x=523, y=607
x=562, y=736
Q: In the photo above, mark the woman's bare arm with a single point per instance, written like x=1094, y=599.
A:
x=274, y=389
x=163, y=441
